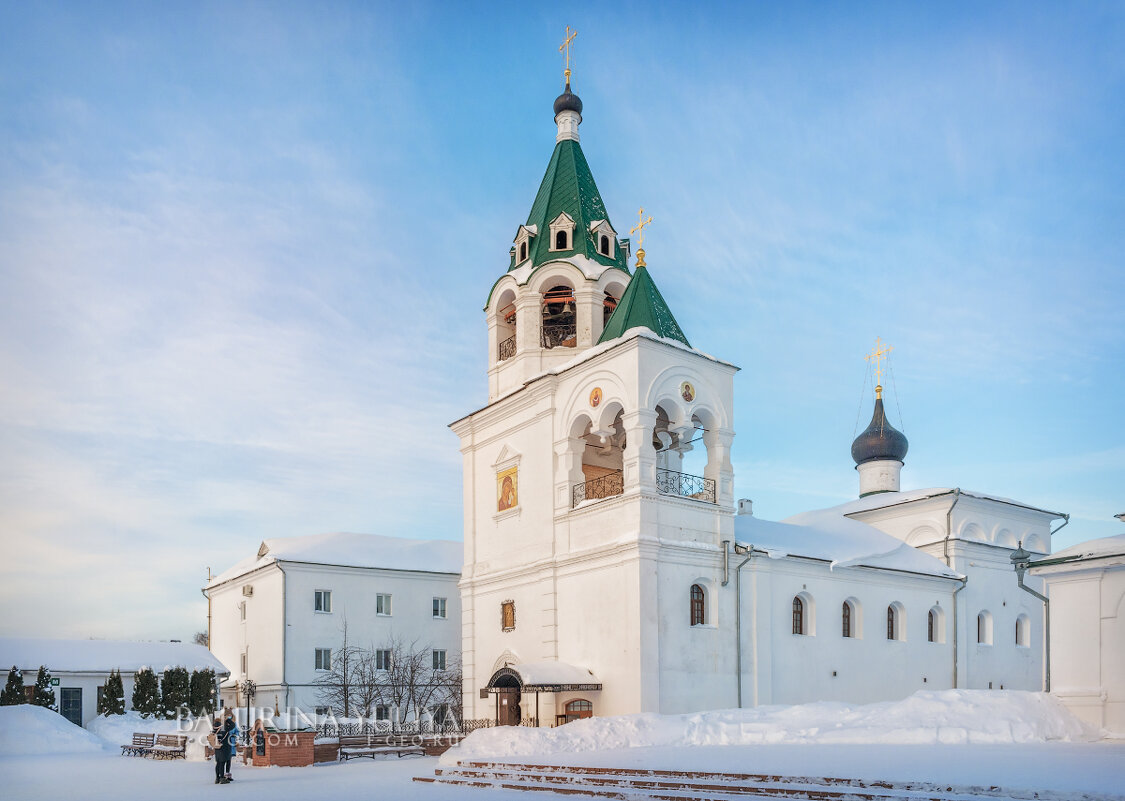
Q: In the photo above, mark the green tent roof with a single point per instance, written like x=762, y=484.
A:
x=568, y=186
x=642, y=306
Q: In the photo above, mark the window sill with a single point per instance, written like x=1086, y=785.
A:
x=320, y=612
x=710, y=626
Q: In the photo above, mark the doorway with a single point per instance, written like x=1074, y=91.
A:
x=70, y=704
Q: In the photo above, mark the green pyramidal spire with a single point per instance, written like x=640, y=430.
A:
x=642, y=306
x=568, y=188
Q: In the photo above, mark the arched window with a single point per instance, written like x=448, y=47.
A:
x=984, y=628
x=896, y=622
x=579, y=708
x=523, y=251
x=1023, y=631
x=798, y=616
x=931, y=626
x=604, y=245
x=891, y=623
x=846, y=619
x=698, y=609
x=560, y=240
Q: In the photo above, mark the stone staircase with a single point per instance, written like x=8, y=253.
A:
x=675, y=785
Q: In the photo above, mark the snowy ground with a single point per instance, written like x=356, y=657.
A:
x=1019, y=741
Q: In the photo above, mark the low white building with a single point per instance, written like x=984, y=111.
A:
x=80, y=668
x=1086, y=585
x=278, y=616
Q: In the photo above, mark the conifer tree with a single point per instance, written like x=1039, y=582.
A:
x=44, y=695
x=174, y=691
x=13, y=691
x=112, y=701
x=202, y=693
x=146, y=693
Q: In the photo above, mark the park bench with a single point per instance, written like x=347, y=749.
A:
x=169, y=746
x=140, y=746
x=363, y=745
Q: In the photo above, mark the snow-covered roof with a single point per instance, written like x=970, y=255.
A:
x=353, y=550
x=102, y=656
x=836, y=539
x=1092, y=549
x=884, y=499
x=551, y=672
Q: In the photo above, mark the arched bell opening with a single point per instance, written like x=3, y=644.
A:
x=610, y=299
x=682, y=455
x=506, y=325
x=560, y=320
x=602, y=456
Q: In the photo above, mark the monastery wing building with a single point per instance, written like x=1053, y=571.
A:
x=607, y=569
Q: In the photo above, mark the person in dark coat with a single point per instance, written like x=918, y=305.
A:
x=222, y=752
x=230, y=732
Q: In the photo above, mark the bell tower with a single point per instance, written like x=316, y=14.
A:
x=567, y=266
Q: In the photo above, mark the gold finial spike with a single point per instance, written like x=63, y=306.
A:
x=639, y=230
x=565, y=47
x=881, y=351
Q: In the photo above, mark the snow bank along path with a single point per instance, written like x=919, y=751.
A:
x=942, y=718
x=27, y=730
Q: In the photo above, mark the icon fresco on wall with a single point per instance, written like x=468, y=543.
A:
x=595, y=397
x=507, y=489
x=687, y=391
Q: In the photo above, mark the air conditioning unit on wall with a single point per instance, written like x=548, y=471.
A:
x=247, y=590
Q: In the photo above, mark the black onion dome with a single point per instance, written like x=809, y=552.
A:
x=568, y=101
x=880, y=440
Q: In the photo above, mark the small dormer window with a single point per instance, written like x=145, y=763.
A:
x=603, y=245
x=523, y=251
x=522, y=244
x=603, y=237
x=562, y=232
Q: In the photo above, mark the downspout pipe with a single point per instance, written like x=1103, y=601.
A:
x=749, y=552
x=726, y=563
x=964, y=581
x=1021, y=560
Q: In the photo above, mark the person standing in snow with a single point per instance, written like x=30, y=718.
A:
x=230, y=731
x=222, y=753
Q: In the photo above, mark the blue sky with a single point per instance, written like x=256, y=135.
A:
x=244, y=249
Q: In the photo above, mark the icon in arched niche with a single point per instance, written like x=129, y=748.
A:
x=507, y=489
x=687, y=391
x=595, y=397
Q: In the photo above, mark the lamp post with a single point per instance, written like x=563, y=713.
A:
x=249, y=689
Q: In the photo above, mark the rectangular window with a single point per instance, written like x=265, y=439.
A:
x=383, y=659
x=382, y=712
x=439, y=660
x=439, y=607
x=322, y=600
x=323, y=658
x=383, y=604
x=243, y=663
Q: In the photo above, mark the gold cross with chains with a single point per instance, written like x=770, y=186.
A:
x=882, y=349
x=565, y=47
x=639, y=230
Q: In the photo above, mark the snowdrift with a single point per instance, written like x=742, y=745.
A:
x=944, y=717
x=27, y=730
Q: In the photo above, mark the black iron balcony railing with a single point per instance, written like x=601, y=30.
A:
x=562, y=335
x=669, y=482
x=596, y=488
x=508, y=348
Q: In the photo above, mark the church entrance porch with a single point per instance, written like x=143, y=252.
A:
x=517, y=690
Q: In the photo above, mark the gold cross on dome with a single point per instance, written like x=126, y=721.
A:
x=565, y=47
x=881, y=351
x=639, y=230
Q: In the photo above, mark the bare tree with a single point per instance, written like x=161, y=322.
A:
x=200, y=638
x=339, y=686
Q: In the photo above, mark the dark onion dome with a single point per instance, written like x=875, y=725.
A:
x=880, y=440
x=568, y=101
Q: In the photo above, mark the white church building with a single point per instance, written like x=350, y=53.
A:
x=607, y=566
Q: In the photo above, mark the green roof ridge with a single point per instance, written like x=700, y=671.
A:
x=642, y=306
x=568, y=186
